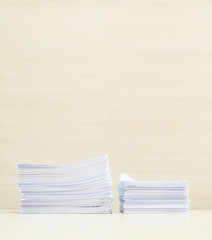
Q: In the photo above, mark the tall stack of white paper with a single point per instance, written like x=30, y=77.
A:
x=79, y=187
x=153, y=196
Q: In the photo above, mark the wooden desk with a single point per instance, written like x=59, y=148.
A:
x=196, y=225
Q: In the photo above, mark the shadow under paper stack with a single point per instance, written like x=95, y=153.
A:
x=79, y=187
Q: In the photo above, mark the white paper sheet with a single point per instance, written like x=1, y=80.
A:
x=79, y=187
x=138, y=196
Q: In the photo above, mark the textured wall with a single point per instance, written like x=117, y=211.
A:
x=128, y=78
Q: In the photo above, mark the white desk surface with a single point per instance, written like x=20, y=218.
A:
x=196, y=225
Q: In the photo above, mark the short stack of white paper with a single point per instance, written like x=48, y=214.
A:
x=153, y=196
x=79, y=187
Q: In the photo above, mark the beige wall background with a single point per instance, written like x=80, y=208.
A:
x=129, y=78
